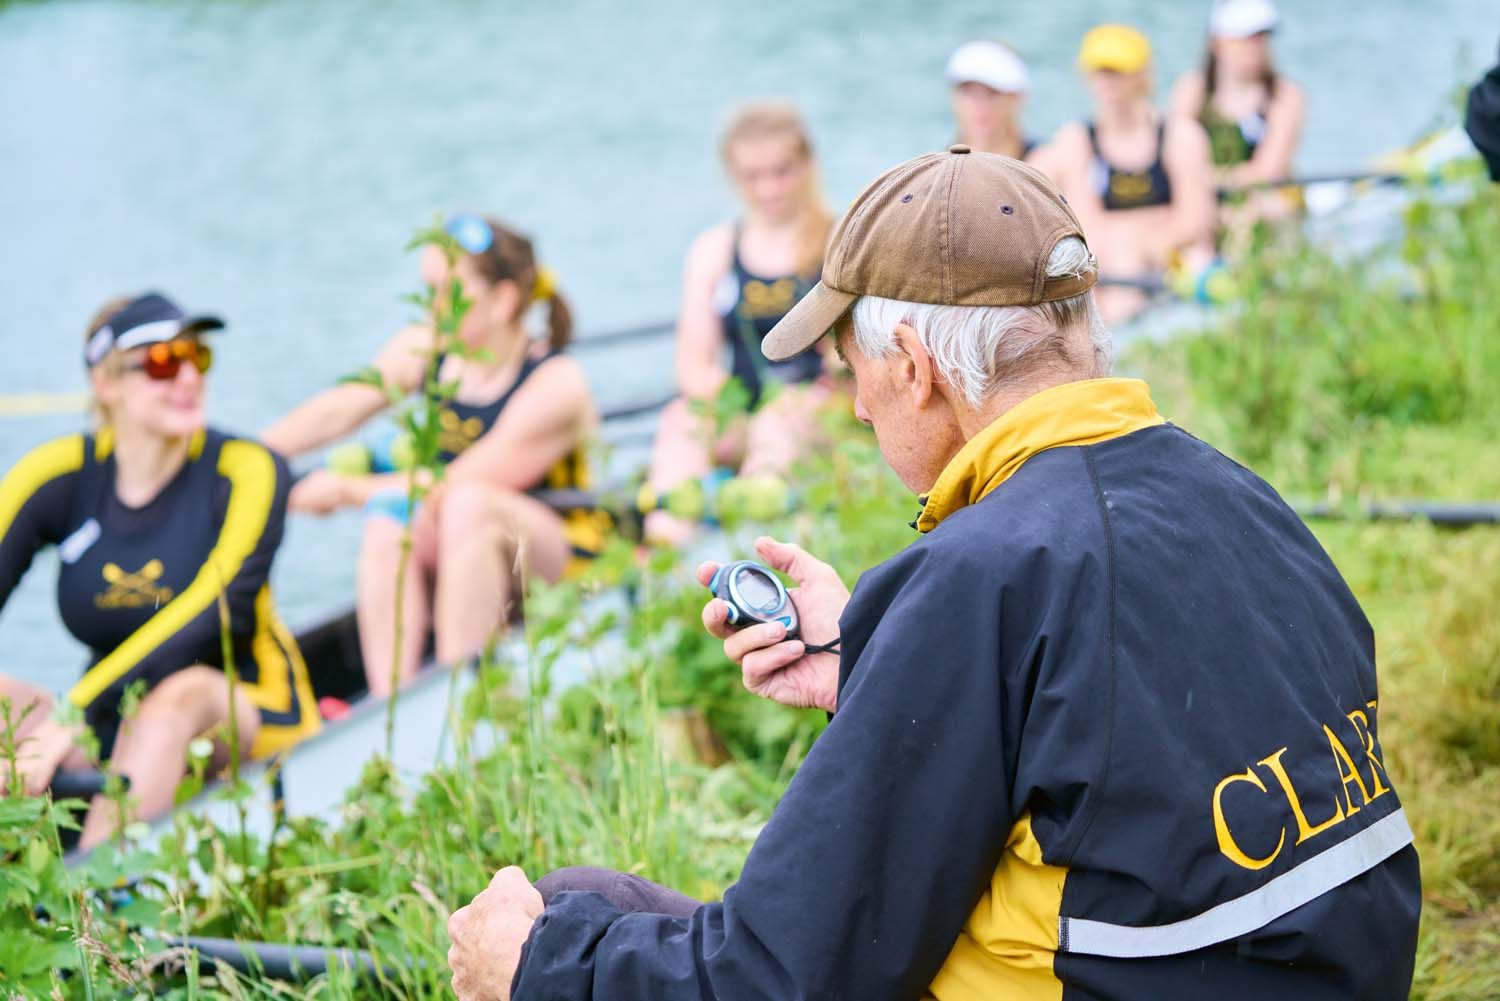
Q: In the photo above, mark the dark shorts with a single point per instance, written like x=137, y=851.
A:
x=629, y=893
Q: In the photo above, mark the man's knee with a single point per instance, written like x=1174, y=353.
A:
x=627, y=892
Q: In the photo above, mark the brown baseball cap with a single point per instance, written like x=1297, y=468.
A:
x=958, y=228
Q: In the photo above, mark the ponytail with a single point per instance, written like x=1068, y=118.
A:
x=559, y=322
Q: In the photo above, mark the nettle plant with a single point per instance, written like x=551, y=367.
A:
x=419, y=415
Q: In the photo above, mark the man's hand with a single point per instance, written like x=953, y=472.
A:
x=771, y=665
x=489, y=934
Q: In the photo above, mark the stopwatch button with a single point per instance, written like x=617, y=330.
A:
x=785, y=620
x=734, y=614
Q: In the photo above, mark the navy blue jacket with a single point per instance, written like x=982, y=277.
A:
x=1107, y=731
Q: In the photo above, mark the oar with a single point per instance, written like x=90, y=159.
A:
x=280, y=962
x=82, y=784
x=1356, y=177
x=1437, y=512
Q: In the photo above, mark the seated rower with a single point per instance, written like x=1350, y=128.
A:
x=989, y=84
x=517, y=422
x=1141, y=183
x=1253, y=115
x=740, y=278
x=157, y=519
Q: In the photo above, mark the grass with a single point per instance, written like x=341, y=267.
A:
x=1333, y=382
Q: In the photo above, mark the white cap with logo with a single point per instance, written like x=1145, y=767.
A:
x=991, y=63
x=1242, y=18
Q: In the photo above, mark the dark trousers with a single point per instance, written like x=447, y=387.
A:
x=628, y=893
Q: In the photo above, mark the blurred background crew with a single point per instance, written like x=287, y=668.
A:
x=518, y=421
x=739, y=279
x=1141, y=182
x=157, y=518
x=989, y=88
x=1253, y=114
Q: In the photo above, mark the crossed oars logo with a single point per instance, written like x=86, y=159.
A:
x=133, y=590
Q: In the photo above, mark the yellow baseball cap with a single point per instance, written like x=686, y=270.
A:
x=1114, y=47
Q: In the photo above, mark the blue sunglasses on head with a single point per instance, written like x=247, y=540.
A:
x=471, y=233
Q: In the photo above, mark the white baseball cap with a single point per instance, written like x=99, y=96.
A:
x=1242, y=18
x=991, y=63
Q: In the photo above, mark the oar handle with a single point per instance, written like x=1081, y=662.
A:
x=82, y=784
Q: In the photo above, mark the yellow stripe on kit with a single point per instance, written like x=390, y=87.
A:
x=252, y=478
x=36, y=469
x=283, y=674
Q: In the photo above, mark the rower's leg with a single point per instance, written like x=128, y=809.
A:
x=783, y=430
x=152, y=747
x=490, y=539
x=680, y=453
x=379, y=559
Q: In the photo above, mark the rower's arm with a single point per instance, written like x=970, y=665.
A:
x=34, y=501
x=872, y=862
x=1189, y=163
x=1278, y=147
x=338, y=411
x=700, y=337
x=546, y=419
x=187, y=628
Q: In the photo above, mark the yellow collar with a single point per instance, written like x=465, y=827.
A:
x=1075, y=413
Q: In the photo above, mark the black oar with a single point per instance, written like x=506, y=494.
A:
x=82, y=784
x=292, y=963
x=1437, y=512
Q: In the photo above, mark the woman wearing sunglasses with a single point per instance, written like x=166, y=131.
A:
x=161, y=525
x=518, y=421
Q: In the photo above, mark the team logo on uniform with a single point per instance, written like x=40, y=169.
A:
x=455, y=434
x=764, y=299
x=133, y=590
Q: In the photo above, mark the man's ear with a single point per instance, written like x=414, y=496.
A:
x=914, y=371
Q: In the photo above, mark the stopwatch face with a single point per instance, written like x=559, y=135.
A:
x=757, y=591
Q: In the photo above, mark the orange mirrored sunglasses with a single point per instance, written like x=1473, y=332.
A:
x=164, y=359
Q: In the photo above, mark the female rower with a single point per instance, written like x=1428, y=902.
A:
x=162, y=525
x=1141, y=184
x=741, y=277
x=518, y=421
x=989, y=86
x=1253, y=114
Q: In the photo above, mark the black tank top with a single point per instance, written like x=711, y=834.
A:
x=749, y=306
x=462, y=424
x=1129, y=189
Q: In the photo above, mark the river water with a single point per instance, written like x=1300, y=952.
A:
x=269, y=159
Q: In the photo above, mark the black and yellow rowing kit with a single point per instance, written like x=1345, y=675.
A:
x=1107, y=731
x=462, y=424
x=749, y=306
x=140, y=587
x=1122, y=189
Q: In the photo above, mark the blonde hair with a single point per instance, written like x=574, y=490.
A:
x=110, y=362
x=775, y=120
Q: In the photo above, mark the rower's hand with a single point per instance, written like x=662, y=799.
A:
x=771, y=665
x=40, y=755
x=321, y=491
x=489, y=934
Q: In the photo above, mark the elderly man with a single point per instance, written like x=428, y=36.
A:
x=1107, y=730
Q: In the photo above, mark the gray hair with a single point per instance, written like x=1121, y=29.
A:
x=976, y=348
